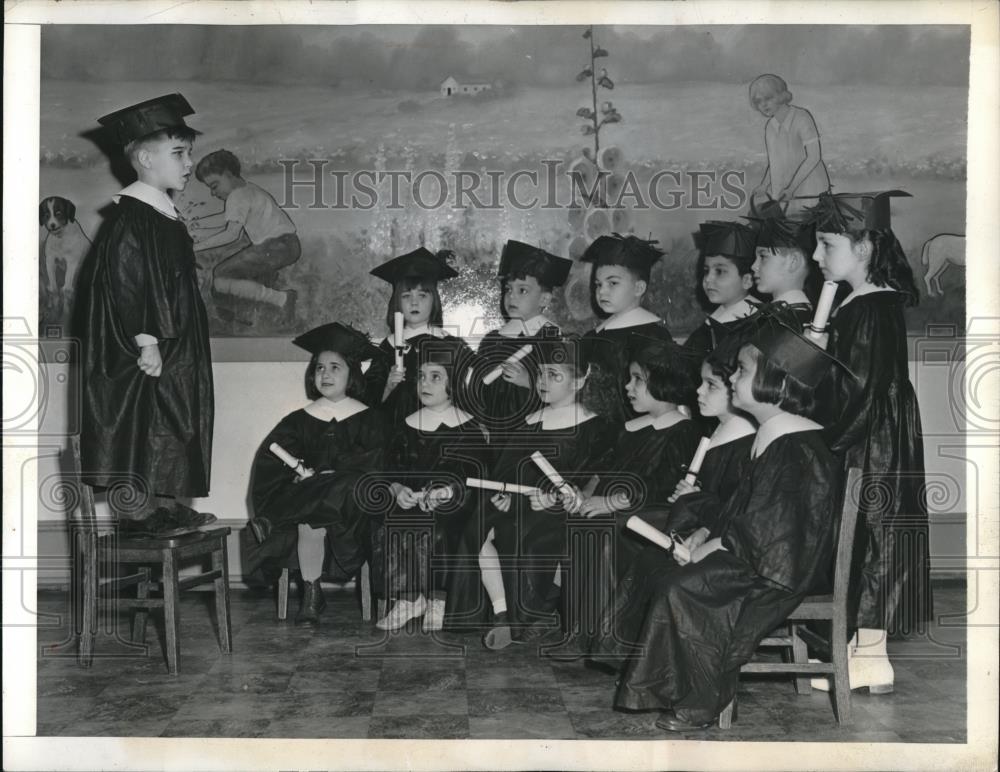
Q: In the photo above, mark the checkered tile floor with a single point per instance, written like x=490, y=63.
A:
x=346, y=679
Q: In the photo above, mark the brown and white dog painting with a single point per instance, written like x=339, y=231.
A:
x=63, y=248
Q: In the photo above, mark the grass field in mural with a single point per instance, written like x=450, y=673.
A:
x=873, y=137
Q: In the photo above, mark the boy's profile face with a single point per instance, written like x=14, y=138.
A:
x=722, y=281
x=617, y=289
x=774, y=269
x=220, y=185
x=164, y=163
x=524, y=298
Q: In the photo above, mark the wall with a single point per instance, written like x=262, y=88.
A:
x=251, y=396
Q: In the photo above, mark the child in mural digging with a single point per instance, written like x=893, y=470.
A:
x=257, y=239
x=795, y=167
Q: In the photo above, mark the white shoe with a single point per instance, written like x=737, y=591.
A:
x=434, y=617
x=401, y=613
x=868, y=670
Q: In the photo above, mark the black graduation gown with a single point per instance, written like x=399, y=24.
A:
x=530, y=543
x=875, y=425
x=352, y=448
x=403, y=400
x=684, y=631
x=646, y=465
x=501, y=406
x=610, y=349
x=724, y=466
x=447, y=561
x=153, y=432
x=707, y=335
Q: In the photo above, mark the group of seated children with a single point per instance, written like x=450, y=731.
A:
x=514, y=471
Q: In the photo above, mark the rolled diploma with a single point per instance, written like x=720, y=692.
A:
x=696, y=462
x=497, y=371
x=288, y=459
x=658, y=538
x=548, y=470
x=823, y=308
x=490, y=485
x=397, y=338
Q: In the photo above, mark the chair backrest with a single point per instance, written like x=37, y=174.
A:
x=845, y=539
x=88, y=510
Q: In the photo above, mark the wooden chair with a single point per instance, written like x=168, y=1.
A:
x=168, y=553
x=832, y=608
x=364, y=586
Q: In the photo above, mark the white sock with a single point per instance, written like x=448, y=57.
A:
x=492, y=577
x=311, y=549
x=557, y=579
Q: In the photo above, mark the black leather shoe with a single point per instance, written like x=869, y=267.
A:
x=538, y=632
x=260, y=527
x=313, y=603
x=671, y=722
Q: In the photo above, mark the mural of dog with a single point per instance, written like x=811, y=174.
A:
x=937, y=254
x=63, y=248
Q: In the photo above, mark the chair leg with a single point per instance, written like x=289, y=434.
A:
x=726, y=716
x=171, y=611
x=85, y=654
x=800, y=655
x=220, y=563
x=366, y=592
x=283, y=595
x=141, y=615
x=841, y=674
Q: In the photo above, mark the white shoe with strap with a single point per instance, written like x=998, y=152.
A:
x=401, y=613
x=868, y=665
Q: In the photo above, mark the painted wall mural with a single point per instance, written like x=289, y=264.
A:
x=375, y=140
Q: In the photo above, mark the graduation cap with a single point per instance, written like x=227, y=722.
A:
x=782, y=233
x=788, y=349
x=662, y=352
x=840, y=212
x=149, y=117
x=727, y=238
x=340, y=338
x=634, y=253
x=520, y=258
x=421, y=263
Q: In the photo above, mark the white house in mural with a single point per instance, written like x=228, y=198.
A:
x=451, y=87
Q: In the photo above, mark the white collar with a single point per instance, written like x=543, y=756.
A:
x=866, y=291
x=515, y=327
x=731, y=430
x=738, y=310
x=793, y=297
x=423, y=329
x=427, y=420
x=146, y=193
x=339, y=410
x=664, y=421
x=564, y=417
x=778, y=426
x=631, y=318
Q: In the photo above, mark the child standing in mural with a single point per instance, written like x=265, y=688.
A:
x=877, y=427
x=148, y=400
x=725, y=258
x=795, y=165
x=263, y=236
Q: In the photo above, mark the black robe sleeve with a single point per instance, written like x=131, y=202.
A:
x=783, y=527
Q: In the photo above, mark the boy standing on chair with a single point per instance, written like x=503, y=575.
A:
x=146, y=365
